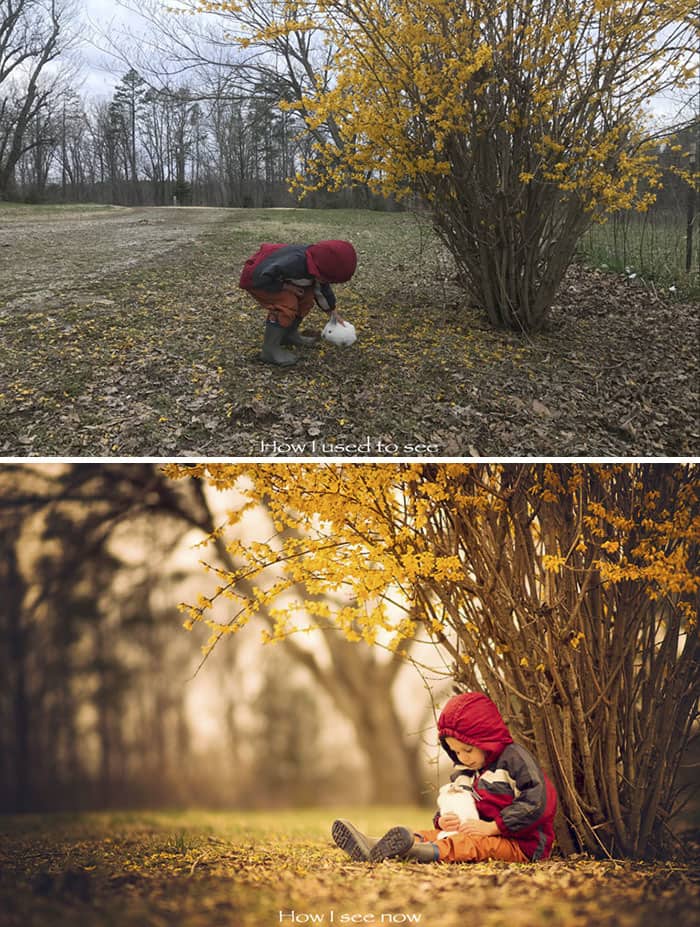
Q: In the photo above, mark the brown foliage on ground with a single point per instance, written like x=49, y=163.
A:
x=124, y=333
x=245, y=869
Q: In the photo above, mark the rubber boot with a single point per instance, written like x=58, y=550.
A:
x=291, y=336
x=272, y=351
x=351, y=840
x=401, y=842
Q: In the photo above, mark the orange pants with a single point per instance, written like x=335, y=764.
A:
x=463, y=848
x=285, y=307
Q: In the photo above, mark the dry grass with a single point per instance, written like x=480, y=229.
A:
x=124, y=334
x=246, y=869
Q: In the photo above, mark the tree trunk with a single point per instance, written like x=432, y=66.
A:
x=393, y=762
x=595, y=668
x=13, y=586
x=360, y=687
x=510, y=266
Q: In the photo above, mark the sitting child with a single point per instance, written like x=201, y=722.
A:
x=286, y=280
x=515, y=800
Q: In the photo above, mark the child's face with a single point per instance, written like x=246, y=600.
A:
x=468, y=755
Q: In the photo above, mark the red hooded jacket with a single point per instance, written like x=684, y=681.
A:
x=510, y=789
x=332, y=261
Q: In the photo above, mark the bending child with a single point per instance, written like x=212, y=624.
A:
x=286, y=280
x=515, y=800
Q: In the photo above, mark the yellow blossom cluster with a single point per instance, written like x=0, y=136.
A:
x=345, y=530
x=369, y=547
x=416, y=88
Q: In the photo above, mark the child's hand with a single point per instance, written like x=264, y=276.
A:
x=480, y=828
x=293, y=288
x=448, y=821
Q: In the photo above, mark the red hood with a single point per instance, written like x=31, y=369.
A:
x=474, y=719
x=331, y=261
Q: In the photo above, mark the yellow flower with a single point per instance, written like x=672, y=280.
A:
x=552, y=563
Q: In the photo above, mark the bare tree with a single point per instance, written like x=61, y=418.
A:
x=33, y=34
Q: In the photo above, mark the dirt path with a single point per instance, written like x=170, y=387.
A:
x=50, y=254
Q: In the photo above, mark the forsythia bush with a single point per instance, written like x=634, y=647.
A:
x=520, y=123
x=568, y=592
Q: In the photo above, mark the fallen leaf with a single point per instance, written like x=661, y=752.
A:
x=541, y=409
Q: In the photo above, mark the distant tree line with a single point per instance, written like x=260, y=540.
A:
x=160, y=148
x=215, y=142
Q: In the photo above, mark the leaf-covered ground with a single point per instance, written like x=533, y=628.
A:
x=123, y=333
x=247, y=869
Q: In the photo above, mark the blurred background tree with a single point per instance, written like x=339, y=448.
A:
x=101, y=704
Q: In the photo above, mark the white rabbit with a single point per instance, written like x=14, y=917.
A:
x=337, y=332
x=459, y=800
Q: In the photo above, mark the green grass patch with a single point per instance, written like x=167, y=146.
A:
x=651, y=245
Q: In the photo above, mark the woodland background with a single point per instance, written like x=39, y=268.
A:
x=195, y=119
x=98, y=705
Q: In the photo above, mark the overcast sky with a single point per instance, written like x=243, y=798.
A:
x=104, y=15
x=102, y=72
x=103, y=19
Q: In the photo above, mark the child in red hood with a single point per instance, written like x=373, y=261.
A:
x=287, y=280
x=515, y=799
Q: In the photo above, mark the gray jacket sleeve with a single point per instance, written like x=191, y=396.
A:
x=327, y=296
x=530, y=802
